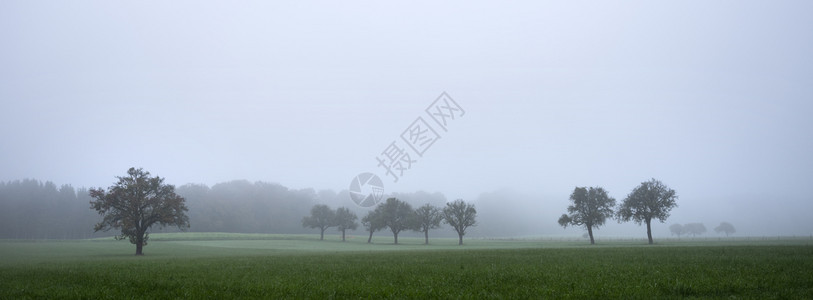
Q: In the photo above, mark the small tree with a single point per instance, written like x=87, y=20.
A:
x=345, y=219
x=695, y=229
x=135, y=203
x=589, y=208
x=677, y=229
x=321, y=217
x=725, y=227
x=373, y=222
x=427, y=217
x=650, y=200
x=460, y=215
x=397, y=215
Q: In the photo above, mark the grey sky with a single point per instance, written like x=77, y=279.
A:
x=714, y=98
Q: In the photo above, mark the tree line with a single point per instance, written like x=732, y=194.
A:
x=397, y=216
x=31, y=209
x=591, y=207
x=651, y=200
x=138, y=201
x=696, y=229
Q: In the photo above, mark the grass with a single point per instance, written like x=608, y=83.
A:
x=193, y=265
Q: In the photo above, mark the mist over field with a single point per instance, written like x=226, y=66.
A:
x=258, y=111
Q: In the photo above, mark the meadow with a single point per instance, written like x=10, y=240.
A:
x=216, y=266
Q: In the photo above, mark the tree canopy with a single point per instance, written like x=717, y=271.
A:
x=460, y=215
x=397, y=215
x=649, y=200
x=135, y=203
x=373, y=222
x=345, y=219
x=590, y=207
x=694, y=229
x=427, y=217
x=677, y=229
x=321, y=217
x=726, y=228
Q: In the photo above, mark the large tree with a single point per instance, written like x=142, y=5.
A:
x=460, y=215
x=345, y=219
x=321, y=217
x=725, y=227
x=650, y=200
x=590, y=208
x=135, y=203
x=427, y=217
x=373, y=222
x=397, y=215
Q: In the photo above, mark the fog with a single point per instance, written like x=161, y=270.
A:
x=712, y=98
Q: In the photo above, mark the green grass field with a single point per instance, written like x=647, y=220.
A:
x=195, y=265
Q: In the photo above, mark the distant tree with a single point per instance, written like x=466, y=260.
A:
x=135, y=203
x=695, y=229
x=321, y=217
x=650, y=200
x=397, y=215
x=243, y=206
x=373, y=222
x=427, y=217
x=345, y=219
x=725, y=227
x=677, y=229
x=589, y=208
x=31, y=209
x=460, y=215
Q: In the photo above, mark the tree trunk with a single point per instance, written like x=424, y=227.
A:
x=139, y=243
x=460, y=240
x=322, y=235
x=649, y=230
x=370, y=239
x=590, y=233
x=342, y=235
x=426, y=237
x=396, y=237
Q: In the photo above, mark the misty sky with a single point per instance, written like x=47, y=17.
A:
x=714, y=98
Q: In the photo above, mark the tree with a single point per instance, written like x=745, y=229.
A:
x=695, y=228
x=677, y=229
x=589, y=208
x=135, y=203
x=321, y=217
x=397, y=215
x=650, y=200
x=725, y=227
x=373, y=222
x=345, y=219
x=427, y=217
x=460, y=215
